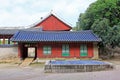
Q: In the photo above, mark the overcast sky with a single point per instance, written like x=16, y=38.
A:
x=26, y=12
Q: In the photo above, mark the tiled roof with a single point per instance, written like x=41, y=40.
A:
x=8, y=31
x=13, y=31
x=70, y=36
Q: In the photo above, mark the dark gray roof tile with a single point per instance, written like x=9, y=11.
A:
x=70, y=36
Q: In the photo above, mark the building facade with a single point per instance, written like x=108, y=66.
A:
x=51, y=37
x=61, y=44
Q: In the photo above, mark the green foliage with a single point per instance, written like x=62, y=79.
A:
x=103, y=17
x=114, y=36
x=109, y=9
x=74, y=28
x=101, y=28
x=110, y=35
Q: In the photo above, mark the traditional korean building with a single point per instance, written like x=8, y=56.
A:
x=57, y=44
x=53, y=39
x=5, y=35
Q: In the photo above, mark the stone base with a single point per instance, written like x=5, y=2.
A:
x=50, y=68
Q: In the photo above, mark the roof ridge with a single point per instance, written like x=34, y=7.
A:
x=62, y=20
x=56, y=31
x=40, y=20
x=43, y=18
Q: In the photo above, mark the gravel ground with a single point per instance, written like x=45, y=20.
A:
x=13, y=72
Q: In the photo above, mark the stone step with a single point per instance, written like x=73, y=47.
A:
x=26, y=62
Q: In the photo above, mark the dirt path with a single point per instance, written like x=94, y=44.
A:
x=36, y=72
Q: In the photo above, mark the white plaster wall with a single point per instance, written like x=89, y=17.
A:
x=8, y=52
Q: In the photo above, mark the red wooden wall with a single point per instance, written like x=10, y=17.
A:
x=20, y=53
x=52, y=23
x=57, y=50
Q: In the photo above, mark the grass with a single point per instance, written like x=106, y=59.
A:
x=37, y=65
x=3, y=62
x=13, y=61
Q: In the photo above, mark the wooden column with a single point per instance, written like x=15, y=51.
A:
x=3, y=40
x=95, y=52
x=20, y=50
x=90, y=50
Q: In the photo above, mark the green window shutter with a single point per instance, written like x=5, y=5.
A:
x=47, y=50
x=83, y=50
x=65, y=50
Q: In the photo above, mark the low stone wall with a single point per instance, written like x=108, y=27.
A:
x=8, y=52
x=75, y=68
x=70, y=68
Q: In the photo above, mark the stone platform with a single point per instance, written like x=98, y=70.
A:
x=70, y=66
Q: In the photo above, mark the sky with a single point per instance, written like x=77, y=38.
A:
x=15, y=13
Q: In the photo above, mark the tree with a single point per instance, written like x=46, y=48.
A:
x=103, y=18
x=109, y=9
x=102, y=29
x=114, y=36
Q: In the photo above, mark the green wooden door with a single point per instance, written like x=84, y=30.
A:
x=65, y=50
x=83, y=50
x=46, y=50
